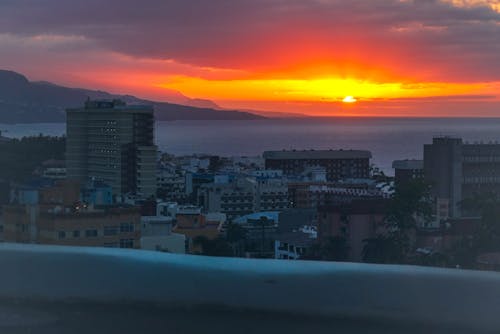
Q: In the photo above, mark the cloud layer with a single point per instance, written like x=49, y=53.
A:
x=377, y=40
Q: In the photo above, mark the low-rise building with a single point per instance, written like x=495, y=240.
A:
x=97, y=193
x=4, y=139
x=57, y=173
x=244, y=196
x=408, y=170
x=444, y=237
x=306, y=195
x=339, y=164
x=105, y=227
x=355, y=221
x=295, y=244
x=261, y=228
x=54, y=213
x=172, y=183
x=157, y=235
x=296, y=234
x=192, y=223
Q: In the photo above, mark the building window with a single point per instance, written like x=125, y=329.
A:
x=126, y=227
x=111, y=230
x=111, y=244
x=76, y=234
x=91, y=233
x=61, y=235
x=126, y=243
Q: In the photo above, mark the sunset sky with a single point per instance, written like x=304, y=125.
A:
x=390, y=57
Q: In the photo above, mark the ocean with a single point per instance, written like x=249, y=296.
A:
x=387, y=138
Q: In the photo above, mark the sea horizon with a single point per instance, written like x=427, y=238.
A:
x=388, y=138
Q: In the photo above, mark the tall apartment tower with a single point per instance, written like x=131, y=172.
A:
x=112, y=142
x=458, y=171
x=443, y=171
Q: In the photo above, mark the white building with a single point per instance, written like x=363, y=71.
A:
x=243, y=196
x=56, y=173
x=295, y=244
x=172, y=182
x=156, y=234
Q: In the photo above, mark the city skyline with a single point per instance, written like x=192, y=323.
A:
x=266, y=166
x=321, y=58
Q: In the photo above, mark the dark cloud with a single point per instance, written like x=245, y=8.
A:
x=428, y=38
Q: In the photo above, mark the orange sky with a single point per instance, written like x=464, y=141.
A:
x=394, y=57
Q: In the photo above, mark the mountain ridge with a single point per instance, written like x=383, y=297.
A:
x=24, y=101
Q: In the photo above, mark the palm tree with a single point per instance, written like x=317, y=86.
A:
x=382, y=249
x=236, y=237
x=332, y=249
x=410, y=204
x=263, y=223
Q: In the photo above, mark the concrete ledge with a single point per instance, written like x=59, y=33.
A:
x=399, y=294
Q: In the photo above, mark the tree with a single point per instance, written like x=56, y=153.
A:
x=433, y=259
x=486, y=237
x=333, y=249
x=336, y=249
x=20, y=157
x=236, y=237
x=378, y=174
x=213, y=247
x=382, y=249
x=264, y=224
x=410, y=204
x=463, y=253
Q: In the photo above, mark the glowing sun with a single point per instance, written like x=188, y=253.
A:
x=349, y=99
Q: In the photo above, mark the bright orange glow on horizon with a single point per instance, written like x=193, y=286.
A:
x=349, y=99
x=314, y=57
x=307, y=92
x=320, y=89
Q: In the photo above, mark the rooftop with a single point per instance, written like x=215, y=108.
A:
x=299, y=238
x=270, y=215
x=360, y=207
x=3, y=138
x=318, y=154
x=408, y=164
x=112, y=105
x=156, y=219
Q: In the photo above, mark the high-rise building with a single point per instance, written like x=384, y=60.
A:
x=443, y=171
x=339, y=164
x=112, y=142
x=458, y=171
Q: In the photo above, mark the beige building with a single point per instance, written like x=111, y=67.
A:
x=117, y=227
x=55, y=215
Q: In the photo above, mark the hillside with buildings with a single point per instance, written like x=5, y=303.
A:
x=106, y=184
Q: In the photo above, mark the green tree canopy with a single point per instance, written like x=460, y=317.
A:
x=20, y=157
